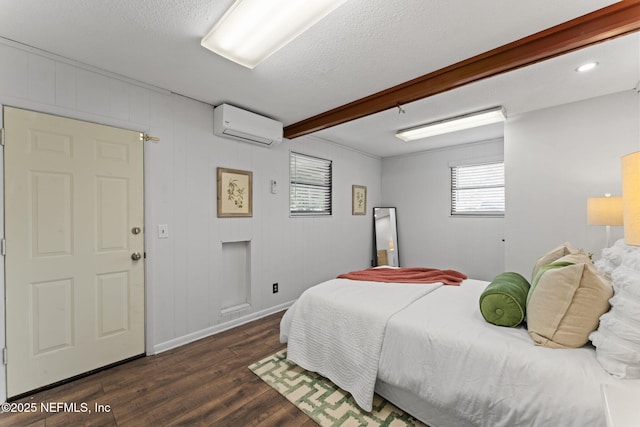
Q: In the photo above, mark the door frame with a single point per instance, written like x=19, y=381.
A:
x=148, y=243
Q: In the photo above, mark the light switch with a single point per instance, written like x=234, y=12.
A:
x=163, y=231
x=274, y=186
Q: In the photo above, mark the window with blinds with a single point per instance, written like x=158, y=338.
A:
x=478, y=189
x=310, y=189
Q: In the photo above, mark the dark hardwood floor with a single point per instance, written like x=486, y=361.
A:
x=205, y=383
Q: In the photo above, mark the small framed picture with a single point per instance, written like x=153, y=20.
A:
x=358, y=200
x=235, y=193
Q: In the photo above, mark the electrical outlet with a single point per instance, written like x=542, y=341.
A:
x=275, y=288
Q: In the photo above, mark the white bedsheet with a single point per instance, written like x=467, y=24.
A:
x=441, y=349
x=336, y=328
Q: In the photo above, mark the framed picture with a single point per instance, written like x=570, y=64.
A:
x=235, y=193
x=358, y=200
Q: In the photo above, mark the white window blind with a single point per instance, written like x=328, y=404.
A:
x=310, y=190
x=478, y=189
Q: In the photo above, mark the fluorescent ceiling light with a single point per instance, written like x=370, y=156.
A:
x=467, y=121
x=252, y=30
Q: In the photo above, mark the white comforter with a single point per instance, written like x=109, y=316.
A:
x=465, y=371
x=441, y=349
x=337, y=328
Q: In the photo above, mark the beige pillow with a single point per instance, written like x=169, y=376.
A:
x=553, y=255
x=567, y=304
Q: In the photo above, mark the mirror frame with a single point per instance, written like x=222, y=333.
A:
x=393, y=239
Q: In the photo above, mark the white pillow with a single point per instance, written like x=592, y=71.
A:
x=611, y=258
x=631, y=260
x=624, y=305
x=611, y=324
x=617, y=339
x=617, y=356
x=627, y=281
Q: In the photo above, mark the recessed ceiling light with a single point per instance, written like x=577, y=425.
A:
x=587, y=67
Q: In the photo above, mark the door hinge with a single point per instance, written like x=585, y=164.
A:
x=2, y=136
x=4, y=356
x=3, y=247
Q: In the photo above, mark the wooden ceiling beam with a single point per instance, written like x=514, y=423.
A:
x=604, y=24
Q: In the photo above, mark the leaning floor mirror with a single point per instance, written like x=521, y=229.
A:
x=385, y=237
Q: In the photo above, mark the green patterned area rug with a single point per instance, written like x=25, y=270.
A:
x=323, y=401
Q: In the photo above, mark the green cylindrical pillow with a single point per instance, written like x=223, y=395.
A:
x=504, y=300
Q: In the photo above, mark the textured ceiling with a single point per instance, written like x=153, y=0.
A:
x=361, y=48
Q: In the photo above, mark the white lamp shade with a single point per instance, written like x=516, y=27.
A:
x=604, y=210
x=631, y=198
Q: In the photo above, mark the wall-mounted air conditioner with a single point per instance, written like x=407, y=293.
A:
x=236, y=123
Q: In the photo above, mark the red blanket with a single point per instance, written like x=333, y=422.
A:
x=406, y=275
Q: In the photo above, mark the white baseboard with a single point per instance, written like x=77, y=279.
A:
x=195, y=336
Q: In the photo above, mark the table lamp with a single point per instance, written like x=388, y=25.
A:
x=631, y=194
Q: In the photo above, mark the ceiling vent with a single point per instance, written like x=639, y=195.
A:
x=236, y=123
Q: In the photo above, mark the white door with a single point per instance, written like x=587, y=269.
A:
x=74, y=222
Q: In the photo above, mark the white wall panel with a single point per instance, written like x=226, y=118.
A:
x=159, y=209
x=42, y=75
x=179, y=291
x=139, y=104
x=119, y=104
x=65, y=86
x=235, y=289
x=92, y=92
x=13, y=72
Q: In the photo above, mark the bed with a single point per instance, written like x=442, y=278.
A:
x=427, y=349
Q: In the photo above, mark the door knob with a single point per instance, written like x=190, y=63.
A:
x=136, y=256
